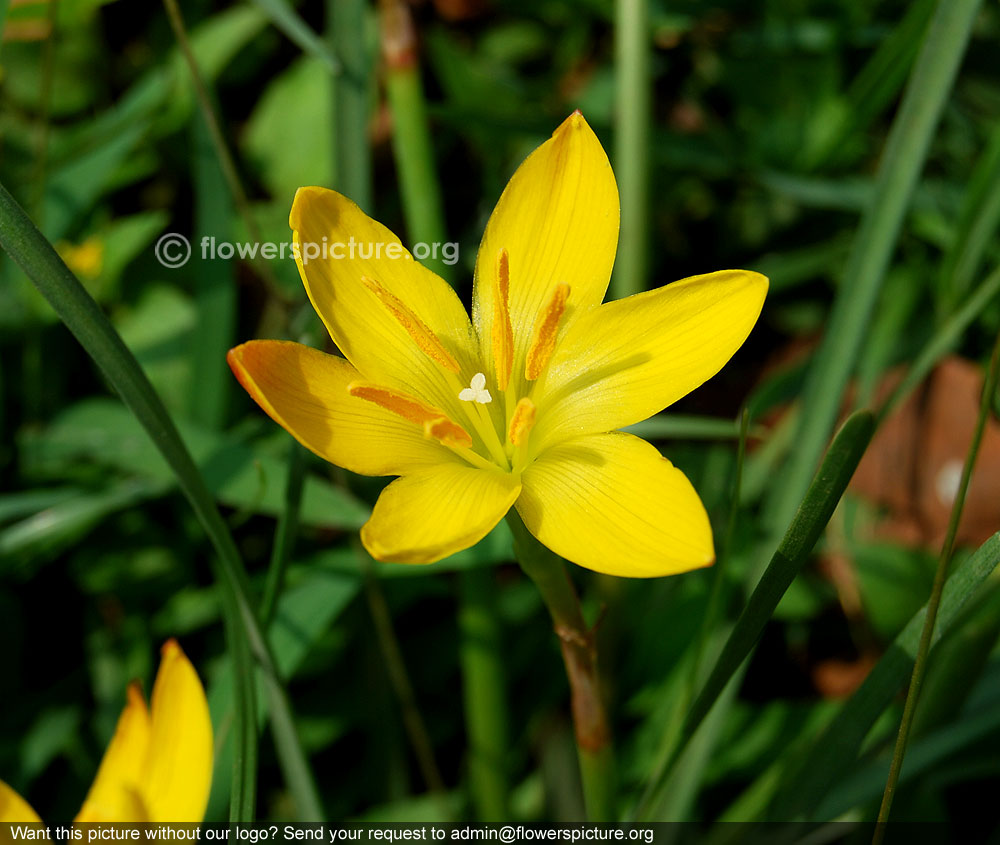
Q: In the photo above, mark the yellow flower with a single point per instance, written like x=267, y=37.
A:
x=519, y=406
x=158, y=766
x=85, y=260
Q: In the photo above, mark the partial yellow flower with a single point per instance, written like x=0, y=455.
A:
x=518, y=407
x=158, y=765
x=85, y=259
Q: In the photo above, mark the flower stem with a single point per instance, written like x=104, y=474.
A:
x=940, y=576
x=579, y=651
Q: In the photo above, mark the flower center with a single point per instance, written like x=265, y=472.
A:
x=504, y=434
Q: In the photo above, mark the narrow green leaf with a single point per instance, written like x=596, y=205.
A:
x=27, y=246
x=809, y=780
x=977, y=224
x=945, y=338
x=211, y=382
x=689, y=427
x=287, y=20
x=902, y=162
x=236, y=475
x=813, y=514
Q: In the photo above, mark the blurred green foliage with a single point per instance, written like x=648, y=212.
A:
x=767, y=126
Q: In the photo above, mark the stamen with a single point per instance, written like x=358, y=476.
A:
x=416, y=328
x=546, y=330
x=450, y=434
x=434, y=421
x=522, y=421
x=503, y=331
x=477, y=392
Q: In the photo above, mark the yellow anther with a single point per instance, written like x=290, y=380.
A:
x=416, y=328
x=503, y=332
x=546, y=330
x=434, y=421
x=522, y=422
x=450, y=434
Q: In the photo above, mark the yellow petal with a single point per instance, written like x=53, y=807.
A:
x=388, y=345
x=424, y=517
x=113, y=796
x=13, y=808
x=558, y=221
x=612, y=503
x=624, y=361
x=178, y=773
x=306, y=392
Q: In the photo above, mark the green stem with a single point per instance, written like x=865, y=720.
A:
x=484, y=694
x=940, y=576
x=34, y=254
x=218, y=141
x=411, y=135
x=243, y=789
x=632, y=117
x=399, y=678
x=284, y=535
x=718, y=571
x=902, y=161
x=351, y=100
x=579, y=651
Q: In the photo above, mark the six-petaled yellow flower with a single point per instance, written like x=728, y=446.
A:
x=519, y=406
x=158, y=766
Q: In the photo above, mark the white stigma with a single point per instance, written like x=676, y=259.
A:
x=477, y=391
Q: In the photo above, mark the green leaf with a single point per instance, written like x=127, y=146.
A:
x=305, y=611
x=813, y=514
x=902, y=162
x=287, y=136
x=102, y=430
x=809, y=779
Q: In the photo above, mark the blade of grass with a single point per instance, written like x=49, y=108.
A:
x=285, y=533
x=484, y=694
x=807, y=780
x=689, y=427
x=977, y=224
x=632, y=84
x=399, y=677
x=218, y=142
x=287, y=20
x=813, y=514
x=945, y=338
x=934, y=603
x=874, y=87
x=76, y=308
x=351, y=100
x=215, y=288
x=900, y=167
x=411, y=135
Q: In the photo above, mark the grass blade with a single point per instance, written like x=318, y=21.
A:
x=940, y=575
x=813, y=514
x=902, y=162
x=808, y=781
x=632, y=82
x=76, y=308
x=287, y=20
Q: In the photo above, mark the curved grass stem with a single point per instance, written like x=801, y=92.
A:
x=77, y=309
x=934, y=603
